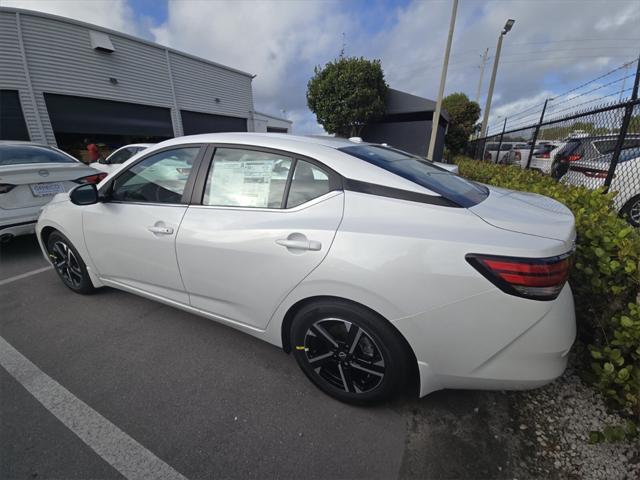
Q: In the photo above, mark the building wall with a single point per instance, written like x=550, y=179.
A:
x=264, y=123
x=59, y=58
x=411, y=136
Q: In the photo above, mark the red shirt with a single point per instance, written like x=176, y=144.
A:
x=93, y=152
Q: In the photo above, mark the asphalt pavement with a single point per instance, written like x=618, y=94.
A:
x=201, y=398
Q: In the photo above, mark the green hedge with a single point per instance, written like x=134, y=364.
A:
x=605, y=278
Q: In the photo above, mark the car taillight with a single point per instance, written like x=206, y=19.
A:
x=534, y=278
x=574, y=157
x=544, y=155
x=6, y=187
x=95, y=178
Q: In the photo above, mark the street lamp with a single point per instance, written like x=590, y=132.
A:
x=507, y=27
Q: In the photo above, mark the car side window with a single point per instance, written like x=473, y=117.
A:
x=246, y=178
x=159, y=178
x=308, y=182
x=121, y=156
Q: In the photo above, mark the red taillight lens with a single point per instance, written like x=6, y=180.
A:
x=6, y=187
x=535, y=278
x=573, y=157
x=544, y=155
x=95, y=179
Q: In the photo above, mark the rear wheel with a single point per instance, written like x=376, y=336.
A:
x=631, y=211
x=349, y=352
x=68, y=264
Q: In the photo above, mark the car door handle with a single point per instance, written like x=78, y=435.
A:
x=299, y=244
x=160, y=230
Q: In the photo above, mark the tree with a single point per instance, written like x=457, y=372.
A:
x=463, y=114
x=346, y=94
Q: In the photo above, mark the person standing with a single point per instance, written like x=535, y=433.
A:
x=94, y=152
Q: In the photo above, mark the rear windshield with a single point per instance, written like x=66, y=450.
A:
x=608, y=146
x=568, y=149
x=26, y=154
x=450, y=186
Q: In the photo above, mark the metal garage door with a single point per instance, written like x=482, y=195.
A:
x=12, y=124
x=105, y=117
x=195, y=122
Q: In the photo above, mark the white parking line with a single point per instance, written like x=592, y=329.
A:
x=116, y=447
x=24, y=275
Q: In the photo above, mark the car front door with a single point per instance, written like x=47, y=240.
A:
x=264, y=221
x=131, y=236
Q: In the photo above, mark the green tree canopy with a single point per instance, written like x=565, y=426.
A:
x=346, y=94
x=463, y=115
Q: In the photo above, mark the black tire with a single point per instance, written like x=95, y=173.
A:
x=370, y=370
x=631, y=211
x=68, y=264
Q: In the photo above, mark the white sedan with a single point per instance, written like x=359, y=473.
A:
x=119, y=156
x=373, y=267
x=592, y=173
x=30, y=175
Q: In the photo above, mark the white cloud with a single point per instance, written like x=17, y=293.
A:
x=531, y=67
x=114, y=14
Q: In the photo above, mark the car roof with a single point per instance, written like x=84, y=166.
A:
x=146, y=145
x=257, y=137
x=24, y=143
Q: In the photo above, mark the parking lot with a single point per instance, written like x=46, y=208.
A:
x=200, y=400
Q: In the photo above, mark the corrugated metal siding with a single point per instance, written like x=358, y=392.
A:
x=12, y=75
x=61, y=60
x=11, y=70
x=199, y=84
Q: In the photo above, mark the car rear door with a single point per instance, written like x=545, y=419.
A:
x=260, y=222
x=131, y=237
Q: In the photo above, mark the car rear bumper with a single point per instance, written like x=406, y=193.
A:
x=16, y=229
x=19, y=222
x=530, y=350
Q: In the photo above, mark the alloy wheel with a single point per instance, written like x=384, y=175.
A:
x=66, y=264
x=634, y=213
x=344, y=355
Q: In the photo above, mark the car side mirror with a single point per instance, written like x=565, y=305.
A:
x=84, y=195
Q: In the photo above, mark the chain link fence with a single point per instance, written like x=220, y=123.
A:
x=597, y=148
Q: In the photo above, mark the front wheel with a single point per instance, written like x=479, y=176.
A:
x=631, y=211
x=349, y=352
x=68, y=264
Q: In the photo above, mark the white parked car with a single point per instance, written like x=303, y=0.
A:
x=592, y=173
x=543, y=154
x=30, y=175
x=370, y=265
x=119, y=156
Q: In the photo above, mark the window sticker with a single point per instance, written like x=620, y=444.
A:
x=244, y=183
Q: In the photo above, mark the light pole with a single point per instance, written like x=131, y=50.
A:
x=487, y=107
x=443, y=78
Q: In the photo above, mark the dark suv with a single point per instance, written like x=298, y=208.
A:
x=588, y=148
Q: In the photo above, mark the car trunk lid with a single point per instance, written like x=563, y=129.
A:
x=35, y=184
x=527, y=213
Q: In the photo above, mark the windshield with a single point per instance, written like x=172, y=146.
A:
x=413, y=168
x=26, y=154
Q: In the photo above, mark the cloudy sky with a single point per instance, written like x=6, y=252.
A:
x=555, y=44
